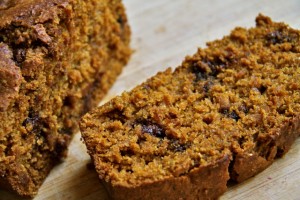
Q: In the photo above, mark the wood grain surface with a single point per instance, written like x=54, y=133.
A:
x=163, y=33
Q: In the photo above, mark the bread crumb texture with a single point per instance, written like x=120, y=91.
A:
x=226, y=113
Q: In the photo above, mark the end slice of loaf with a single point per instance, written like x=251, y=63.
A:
x=57, y=60
x=226, y=113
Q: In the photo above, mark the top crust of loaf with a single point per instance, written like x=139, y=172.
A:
x=27, y=11
x=10, y=77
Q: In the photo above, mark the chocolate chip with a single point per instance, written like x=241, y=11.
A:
x=151, y=128
x=154, y=130
x=175, y=146
x=207, y=68
x=234, y=115
x=199, y=72
x=34, y=121
x=278, y=37
x=19, y=55
x=216, y=66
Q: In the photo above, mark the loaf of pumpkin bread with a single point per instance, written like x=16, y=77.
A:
x=57, y=60
x=226, y=113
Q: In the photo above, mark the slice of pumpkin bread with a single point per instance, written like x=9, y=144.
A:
x=227, y=112
x=57, y=60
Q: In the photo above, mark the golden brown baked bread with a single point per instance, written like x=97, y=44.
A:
x=226, y=113
x=57, y=60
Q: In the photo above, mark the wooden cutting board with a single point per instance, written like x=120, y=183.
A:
x=163, y=33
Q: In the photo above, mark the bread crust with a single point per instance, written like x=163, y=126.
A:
x=10, y=76
x=206, y=182
x=245, y=165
